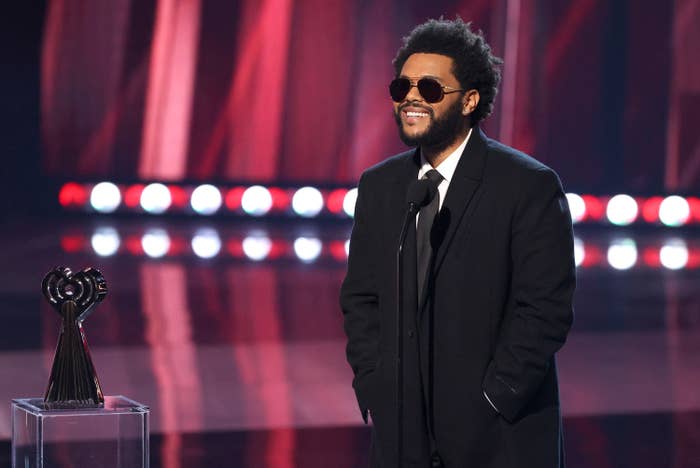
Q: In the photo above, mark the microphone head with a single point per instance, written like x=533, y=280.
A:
x=420, y=193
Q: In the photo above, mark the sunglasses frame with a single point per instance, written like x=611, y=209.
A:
x=416, y=84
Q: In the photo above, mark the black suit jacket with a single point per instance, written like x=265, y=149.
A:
x=499, y=307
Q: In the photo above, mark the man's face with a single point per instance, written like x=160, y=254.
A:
x=426, y=124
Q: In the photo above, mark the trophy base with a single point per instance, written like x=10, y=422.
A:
x=113, y=435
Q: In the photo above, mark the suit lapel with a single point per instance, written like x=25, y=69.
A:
x=465, y=181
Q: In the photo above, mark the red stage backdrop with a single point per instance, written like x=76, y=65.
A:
x=295, y=90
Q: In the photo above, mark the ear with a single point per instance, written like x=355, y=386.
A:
x=469, y=101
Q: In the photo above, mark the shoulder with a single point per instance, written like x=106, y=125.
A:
x=389, y=167
x=511, y=166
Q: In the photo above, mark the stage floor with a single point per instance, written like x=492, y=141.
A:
x=231, y=332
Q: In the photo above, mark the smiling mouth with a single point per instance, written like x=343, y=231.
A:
x=417, y=115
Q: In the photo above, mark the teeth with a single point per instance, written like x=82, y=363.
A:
x=416, y=114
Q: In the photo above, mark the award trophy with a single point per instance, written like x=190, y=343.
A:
x=75, y=424
x=73, y=381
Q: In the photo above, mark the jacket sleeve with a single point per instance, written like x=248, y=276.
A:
x=359, y=302
x=543, y=283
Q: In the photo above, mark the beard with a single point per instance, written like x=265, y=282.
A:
x=441, y=132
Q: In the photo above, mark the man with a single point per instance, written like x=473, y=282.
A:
x=483, y=320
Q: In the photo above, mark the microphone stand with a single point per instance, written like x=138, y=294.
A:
x=410, y=216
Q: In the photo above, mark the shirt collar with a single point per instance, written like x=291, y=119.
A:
x=448, y=166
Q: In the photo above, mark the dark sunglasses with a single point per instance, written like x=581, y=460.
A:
x=430, y=89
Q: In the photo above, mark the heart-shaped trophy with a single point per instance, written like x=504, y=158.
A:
x=73, y=381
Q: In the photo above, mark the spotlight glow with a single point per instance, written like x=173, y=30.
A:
x=579, y=251
x=155, y=243
x=674, y=211
x=72, y=194
x=105, y=197
x=257, y=247
x=674, y=254
x=206, y=199
x=577, y=207
x=622, y=210
x=307, y=202
x=206, y=243
x=105, y=241
x=349, y=202
x=256, y=200
x=622, y=254
x=155, y=198
x=307, y=248
x=347, y=248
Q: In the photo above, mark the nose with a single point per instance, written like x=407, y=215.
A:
x=413, y=94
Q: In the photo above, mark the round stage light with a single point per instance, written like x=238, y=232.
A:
x=105, y=197
x=105, y=241
x=334, y=201
x=674, y=211
x=579, y=251
x=622, y=210
x=206, y=243
x=674, y=254
x=256, y=200
x=349, y=202
x=577, y=207
x=622, y=254
x=206, y=199
x=155, y=198
x=257, y=247
x=155, y=243
x=307, y=202
x=72, y=194
x=307, y=249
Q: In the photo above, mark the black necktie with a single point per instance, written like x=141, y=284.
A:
x=426, y=217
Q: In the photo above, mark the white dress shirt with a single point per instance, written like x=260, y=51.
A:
x=446, y=168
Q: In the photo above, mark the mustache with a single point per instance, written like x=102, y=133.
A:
x=416, y=104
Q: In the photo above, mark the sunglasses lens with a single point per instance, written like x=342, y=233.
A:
x=399, y=89
x=430, y=90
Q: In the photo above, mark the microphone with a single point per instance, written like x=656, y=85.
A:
x=420, y=193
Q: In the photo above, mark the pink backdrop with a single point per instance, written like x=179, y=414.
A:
x=295, y=90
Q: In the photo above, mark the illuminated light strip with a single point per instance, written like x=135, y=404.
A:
x=339, y=203
x=622, y=254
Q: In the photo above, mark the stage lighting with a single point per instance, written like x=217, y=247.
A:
x=155, y=243
x=256, y=200
x=206, y=243
x=257, y=247
x=334, y=201
x=307, y=202
x=72, y=194
x=674, y=254
x=105, y=241
x=622, y=254
x=579, y=251
x=577, y=207
x=206, y=199
x=347, y=248
x=307, y=249
x=622, y=210
x=349, y=202
x=105, y=197
x=155, y=198
x=674, y=211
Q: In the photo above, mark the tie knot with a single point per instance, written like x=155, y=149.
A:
x=433, y=176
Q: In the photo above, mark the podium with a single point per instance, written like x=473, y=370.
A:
x=44, y=435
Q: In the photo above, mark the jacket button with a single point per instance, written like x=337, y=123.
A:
x=411, y=333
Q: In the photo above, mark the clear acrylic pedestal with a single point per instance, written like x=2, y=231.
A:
x=113, y=436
